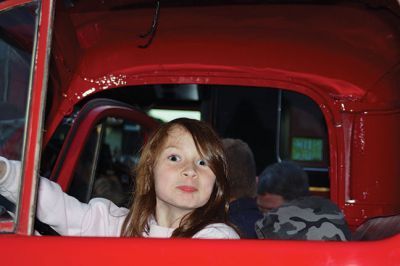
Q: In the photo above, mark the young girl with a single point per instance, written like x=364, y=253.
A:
x=181, y=191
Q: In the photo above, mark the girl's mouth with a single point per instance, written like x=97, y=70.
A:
x=187, y=188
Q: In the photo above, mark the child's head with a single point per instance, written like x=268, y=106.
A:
x=165, y=148
x=241, y=168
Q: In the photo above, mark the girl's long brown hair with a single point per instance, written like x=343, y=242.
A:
x=209, y=146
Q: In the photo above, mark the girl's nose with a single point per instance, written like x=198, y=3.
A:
x=189, y=171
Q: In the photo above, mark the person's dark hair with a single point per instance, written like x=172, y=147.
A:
x=109, y=187
x=286, y=179
x=241, y=168
x=209, y=145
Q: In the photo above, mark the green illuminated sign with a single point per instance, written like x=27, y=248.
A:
x=307, y=149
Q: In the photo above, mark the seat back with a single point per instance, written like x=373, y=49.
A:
x=378, y=228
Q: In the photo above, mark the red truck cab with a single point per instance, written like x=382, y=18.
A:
x=85, y=82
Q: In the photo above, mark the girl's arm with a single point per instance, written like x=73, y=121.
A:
x=64, y=213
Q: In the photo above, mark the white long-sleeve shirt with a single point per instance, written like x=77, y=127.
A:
x=100, y=217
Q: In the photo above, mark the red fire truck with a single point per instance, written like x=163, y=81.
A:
x=83, y=83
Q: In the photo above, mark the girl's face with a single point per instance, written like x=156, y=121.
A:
x=183, y=180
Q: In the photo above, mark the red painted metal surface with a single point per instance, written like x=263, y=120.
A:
x=117, y=251
x=4, y=5
x=267, y=45
x=33, y=133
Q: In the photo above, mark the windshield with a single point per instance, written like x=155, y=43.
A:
x=17, y=28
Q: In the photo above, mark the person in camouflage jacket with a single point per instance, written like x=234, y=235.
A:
x=305, y=218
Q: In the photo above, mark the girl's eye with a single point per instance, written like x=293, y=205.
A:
x=174, y=158
x=202, y=162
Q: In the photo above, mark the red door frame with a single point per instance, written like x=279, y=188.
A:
x=80, y=131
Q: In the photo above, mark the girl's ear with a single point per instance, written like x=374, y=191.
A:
x=257, y=179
